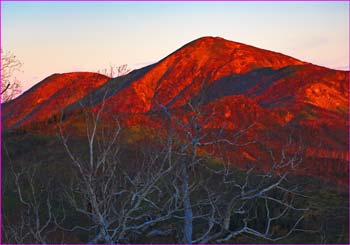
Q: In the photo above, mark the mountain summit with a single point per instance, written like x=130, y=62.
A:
x=179, y=76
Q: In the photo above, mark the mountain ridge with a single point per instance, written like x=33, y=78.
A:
x=239, y=83
x=163, y=83
x=214, y=64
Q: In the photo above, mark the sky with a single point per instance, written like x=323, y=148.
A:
x=58, y=37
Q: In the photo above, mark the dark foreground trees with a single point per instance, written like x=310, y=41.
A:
x=120, y=196
x=176, y=184
x=166, y=187
x=223, y=203
x=37, y=206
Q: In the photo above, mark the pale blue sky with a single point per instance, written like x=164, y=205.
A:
x=60, y=37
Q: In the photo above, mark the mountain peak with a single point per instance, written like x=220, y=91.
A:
x=182, y=74
x=209, y=39
x=235, y=57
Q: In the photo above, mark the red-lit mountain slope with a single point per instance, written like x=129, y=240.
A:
x=222, y=73
x=283, y=88
x=237, y=83
x=49, y=97
x=215, y=68
x=181, y=75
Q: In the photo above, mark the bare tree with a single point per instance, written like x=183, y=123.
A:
x=10, y=86
x=256, y=202
x=211, y=201
x=121, y=197
x=115, y=71
x=190, y=138
x=36, y=217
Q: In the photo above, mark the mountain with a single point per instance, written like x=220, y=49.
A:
x=181, y=75
x=49, y=97
x=240, y=84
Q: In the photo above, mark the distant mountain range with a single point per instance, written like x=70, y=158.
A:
x=242, y=84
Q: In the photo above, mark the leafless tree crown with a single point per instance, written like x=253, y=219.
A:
x=10, y=86
x=115, y=71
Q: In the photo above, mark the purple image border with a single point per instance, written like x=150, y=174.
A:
x=167, y=1
x=151, y=1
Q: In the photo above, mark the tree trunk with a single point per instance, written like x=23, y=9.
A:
x=187, y=207
x=227, y=217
